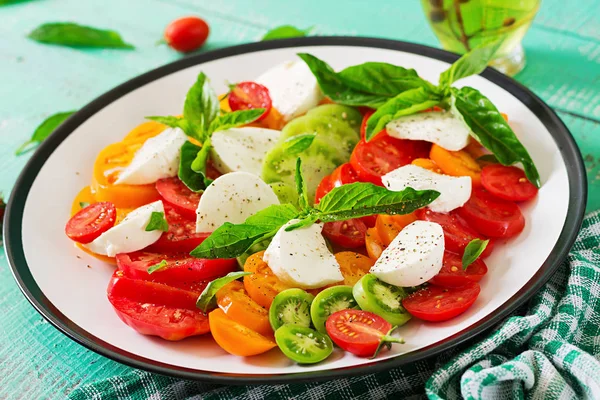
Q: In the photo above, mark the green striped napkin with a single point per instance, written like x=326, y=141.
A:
x=547, y=351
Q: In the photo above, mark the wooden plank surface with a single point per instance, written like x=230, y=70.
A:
x=563, y=67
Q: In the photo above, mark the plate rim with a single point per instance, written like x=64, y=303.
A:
x=13, y=243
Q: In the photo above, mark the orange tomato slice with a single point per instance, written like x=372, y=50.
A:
x=389, y=226
x=144, y=131
x=374, y=244
x=262, y=286
x=427, y=164
x=235, y=302
x=456, y=163
x=353, y=266
x=235, y=338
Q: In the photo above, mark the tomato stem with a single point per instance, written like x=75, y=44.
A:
x=387, y=340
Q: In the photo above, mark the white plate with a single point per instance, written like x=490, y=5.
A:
x=53, y=275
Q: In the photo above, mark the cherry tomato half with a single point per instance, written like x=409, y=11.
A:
x=174, y=192
x=356, y=331
x=437, y=304
x=452, y=273
x=508, y=183
x=492, y=216
x=371, y=160
x=350, y=233
x=186, y=34
x=181, y=236
x=91, y=222
x=250, y=95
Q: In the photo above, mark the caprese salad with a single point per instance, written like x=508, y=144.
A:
x=307, y=208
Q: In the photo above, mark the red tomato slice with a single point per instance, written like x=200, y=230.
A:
x=357, y=331
x=350, y=233
x=508, y=183
x=174, y=192
x=371, y=160
x=249, y=95
x=492, y=216
x=91, y=222
x=324, y=187
x=156, y=309
x=437, y=304
x=181, y=236
x=363, y=125
x=457, y=233
x=181, y=271
x=452, y=273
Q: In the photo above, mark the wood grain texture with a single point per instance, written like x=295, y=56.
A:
x=563, y=57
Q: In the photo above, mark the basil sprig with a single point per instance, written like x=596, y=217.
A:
x=157, y=222
x=74, y=35
x=342, y=203
x=44, y=130
x=200, y=119
x=285, y=32
x=472, y=251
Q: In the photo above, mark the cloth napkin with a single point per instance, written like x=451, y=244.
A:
x=547, y=350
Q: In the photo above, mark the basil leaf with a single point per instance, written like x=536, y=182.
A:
x=193, y=180
x=157, y=267
x=201, y=107
x=234, y=119
x=301, y=186
x=336, y=89
x=83, y=204
x=8, y=2
x=298, y=143
x=74, y=35
x=199, y=163
x=205, y=301
x=406, y=103
x=361, y=199
x=173, y=122
x=44, y=130
x=230, y=241
x=472, y=251
x=492, y=131
x=382, y=78
x=311, y=219
x=157, y=222
x=472, y=63
x=285, y=32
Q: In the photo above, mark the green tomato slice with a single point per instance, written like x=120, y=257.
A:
x=303, y=345
x=291, y=307
x=329, y=301
x=381, y=298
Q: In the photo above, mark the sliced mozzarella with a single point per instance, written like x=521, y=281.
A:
x=301, y=258
x=454, y=190
x=158, y=158
x=414, y=256
x=293, y=88
x=232, y=198
x=130, y=234
x=242, y=149
x=441, y=128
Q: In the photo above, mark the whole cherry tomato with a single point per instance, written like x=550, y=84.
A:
x=186, y=34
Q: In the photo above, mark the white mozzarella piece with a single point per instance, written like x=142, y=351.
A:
x=301, y=258
x=414, y=256
x=441, y=128
x=158, y=158
x=232, y=198
x=293, y=88
x=130, y=234
x=242, y=149
x=454, y=190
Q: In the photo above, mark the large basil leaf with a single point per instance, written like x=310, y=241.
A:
x=406, y=103
x=234, y=119
x=273, y=217
x=472, y=63
x=44, y=130
x=201, y=107
x=195, y=181
x=492, y=131
x=381, y=78
x=360, y=199
x=73, y=35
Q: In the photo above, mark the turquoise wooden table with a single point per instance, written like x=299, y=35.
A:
x=36, y=361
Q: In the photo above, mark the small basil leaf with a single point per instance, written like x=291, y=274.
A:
x=83, y=204
x=201, y=107
x=360, y=199
x=157, y=222
x=406, y=103
x=205, y=301
x=298, y=143
x=44, y=130
x=472, y=251
x=381, y=78
x=74, y=35
x=199, y=163
x=173, y=122
x=301, y=186
x=193, y=180
x=285, y=32
x=157, y=267
x=472, y=63
x=492, y=131
x=234, y=119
